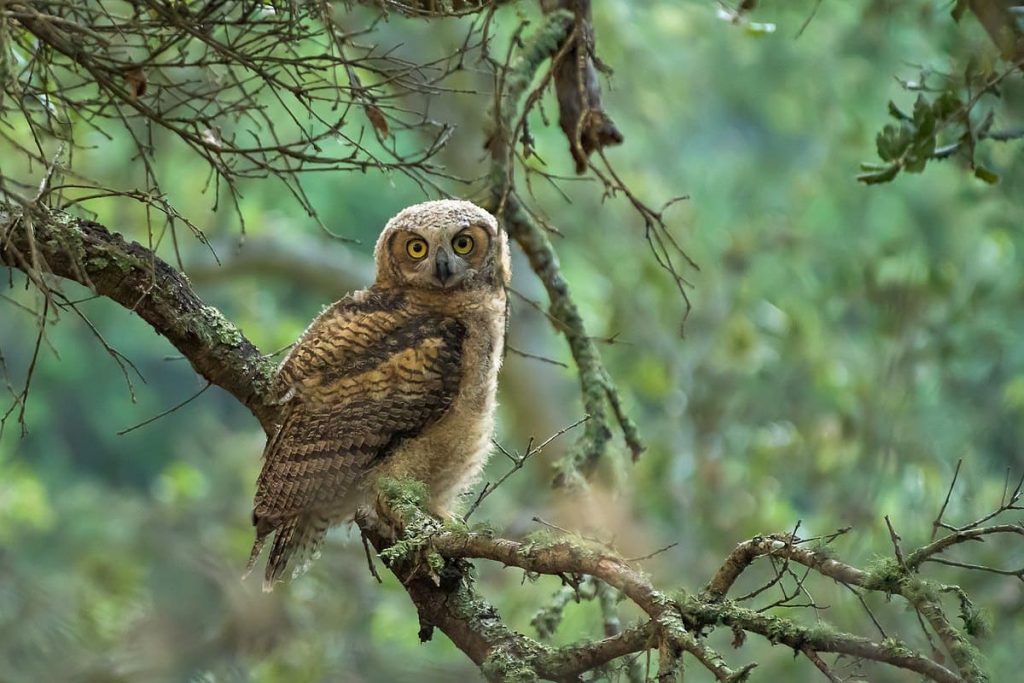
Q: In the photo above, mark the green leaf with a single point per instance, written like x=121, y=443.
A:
x=985, y=175
x=879, y=177
x=896, y=112
x=892, y=142
x=915, y=163
x=924, y=117
x=946, y=105
x=924, y=148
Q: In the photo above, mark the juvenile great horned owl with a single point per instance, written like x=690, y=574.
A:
x=397, y=380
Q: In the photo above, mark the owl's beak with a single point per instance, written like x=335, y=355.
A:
x=443, y=268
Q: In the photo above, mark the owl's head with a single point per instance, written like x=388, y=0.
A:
x=443, y=245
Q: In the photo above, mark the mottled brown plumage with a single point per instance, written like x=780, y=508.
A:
x=395, y=380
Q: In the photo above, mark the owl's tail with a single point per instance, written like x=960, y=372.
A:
x=297, y=538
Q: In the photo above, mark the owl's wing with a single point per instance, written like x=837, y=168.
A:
x=360, y=380
x=338, y=338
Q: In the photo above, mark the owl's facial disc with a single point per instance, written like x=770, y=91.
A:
x=443, y=246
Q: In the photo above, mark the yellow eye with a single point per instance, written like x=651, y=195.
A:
x=416, y=248
x=462, y=244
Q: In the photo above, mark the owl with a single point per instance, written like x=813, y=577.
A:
x=396, y=380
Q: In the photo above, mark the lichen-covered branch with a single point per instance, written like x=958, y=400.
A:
x=676, y=623
x=600, y=396
x=593, y=378
x=915, y=559
x=441, y=587
x=778, y=546
x=41, y=241
x=891, y=576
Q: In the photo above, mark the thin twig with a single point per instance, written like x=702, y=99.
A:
x=517, y=463
x=168, y=411
x=543, y=359
x=937, y=524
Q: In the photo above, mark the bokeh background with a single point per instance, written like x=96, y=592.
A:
x=847, y=346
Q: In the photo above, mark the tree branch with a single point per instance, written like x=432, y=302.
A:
x=597, y=389
x=893, y=577
x=1000, y=22
x=675, y=622
x=41, y=241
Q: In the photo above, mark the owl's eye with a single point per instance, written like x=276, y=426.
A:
x=416, y=248
x=462, y=244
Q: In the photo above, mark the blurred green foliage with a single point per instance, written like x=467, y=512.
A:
x=847, y=346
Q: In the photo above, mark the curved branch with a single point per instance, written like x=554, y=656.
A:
x=574, y=659
x=893, y=577
x=746, y=552
x=936, y=547
x=565, y=556
x=40, y=241
x=676, y=623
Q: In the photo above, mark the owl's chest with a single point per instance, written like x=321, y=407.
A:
x=481, y=361
x=467, y=426
x=450, y=454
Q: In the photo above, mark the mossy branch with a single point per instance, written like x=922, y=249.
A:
x=601, y=400
x=889, y=576
x=42, y=241
x=676, y=624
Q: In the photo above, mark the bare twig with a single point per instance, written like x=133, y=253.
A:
x=517, y=463
x=168, y=411
x=937, y=524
